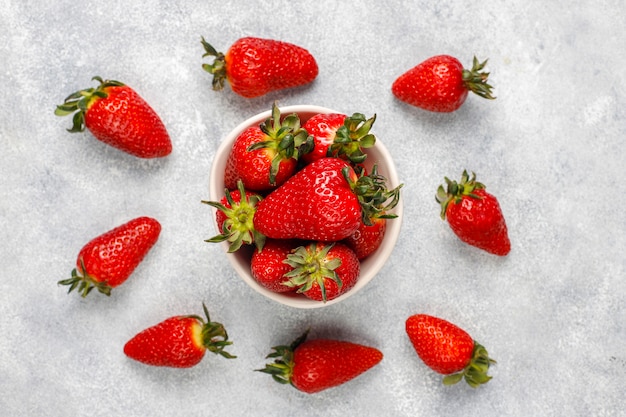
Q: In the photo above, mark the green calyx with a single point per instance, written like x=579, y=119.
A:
x=286, y=139
x=475, y=373
x=371, y=190
x=476, y=81
x=238, y=228
x=217, y=68
x=84, y=283
x=214, y=335
x=352, y=138
x=455, y=191
x=282, y=368
x=310, y=267
x=78, y=102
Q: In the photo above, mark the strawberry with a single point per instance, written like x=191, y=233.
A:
x=268, y=266
x=318, y=203
x=315, y=365
x=341, y=136
x=474, y=215
x=449, y=350
x=323, y=271
x=440, y=84
x=234, y=217
x=116, y=115
x=254, y=66
x=367, y=238
x=377, y=204
x=265, y=156
x=179, y=342
x=108, y=260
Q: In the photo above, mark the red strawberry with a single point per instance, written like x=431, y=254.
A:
x=315, y=365
x=317, y=203
x=254, y=67
x=474, y=215
x=235, y=217
x=268, y=266
x=448, y=350
x=367, y=238
x=265, y=156
x=377, y=205
x=323, y=271
x=115, y=114
x=340, y=136
x=440, y=84
x=109, y=259
x=179, y=342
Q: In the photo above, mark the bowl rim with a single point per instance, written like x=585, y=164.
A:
x=373, y=263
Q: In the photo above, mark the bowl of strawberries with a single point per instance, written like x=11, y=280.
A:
x=306, y=203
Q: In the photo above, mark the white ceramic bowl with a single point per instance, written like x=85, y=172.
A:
x=240, y=260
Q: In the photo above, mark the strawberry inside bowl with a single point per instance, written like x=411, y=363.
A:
x=375, y=156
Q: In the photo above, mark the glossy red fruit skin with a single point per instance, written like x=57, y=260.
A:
x=253, y=167
x=368, y=238
x=323, y=128
x=317, y=204
x=256, y=66
x=441, y=345
x=436, y=85
x=480, y=222
x=126, y=121
x=268, y=267
x=174, y=342
x=321, y=364
x=113, y=256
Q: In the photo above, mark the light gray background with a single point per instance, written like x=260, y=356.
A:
x=551, y=147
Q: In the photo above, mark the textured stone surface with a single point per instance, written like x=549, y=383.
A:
x=551, y=147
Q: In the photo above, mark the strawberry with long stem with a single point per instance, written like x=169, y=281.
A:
x=312, y=366
x=179, y=341
x=449, y=350
x=116, y=115
x=109, y=259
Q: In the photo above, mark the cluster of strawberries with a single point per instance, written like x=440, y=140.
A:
x=303, y=196
x=296, y=160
